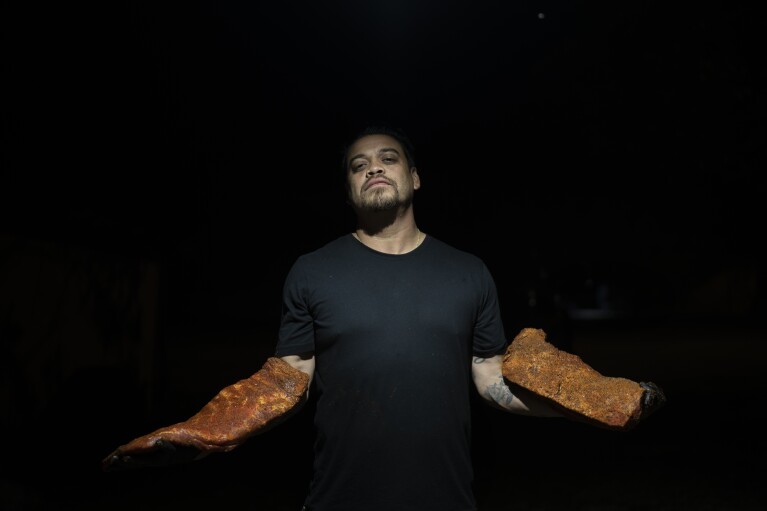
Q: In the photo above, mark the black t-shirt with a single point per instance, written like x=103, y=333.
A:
x=393, y=337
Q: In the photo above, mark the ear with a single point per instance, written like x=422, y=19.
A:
x=416, y=178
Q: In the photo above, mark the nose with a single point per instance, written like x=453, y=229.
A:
x=375, y=168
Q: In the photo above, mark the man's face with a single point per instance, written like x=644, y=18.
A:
x=378, y=177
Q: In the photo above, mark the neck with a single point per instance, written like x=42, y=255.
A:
x=391, y=241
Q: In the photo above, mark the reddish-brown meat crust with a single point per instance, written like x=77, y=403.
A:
x=236, y=413
x=565, y=380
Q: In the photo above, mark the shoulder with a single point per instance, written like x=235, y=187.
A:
x=447, y=259
x=329, y=251
x=327, y=260
x=449, y=252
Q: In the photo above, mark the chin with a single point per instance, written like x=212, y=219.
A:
x=380, y=202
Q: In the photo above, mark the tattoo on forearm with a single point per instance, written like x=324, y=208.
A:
x=500, y=393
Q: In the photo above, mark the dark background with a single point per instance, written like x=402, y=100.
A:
x=164, y=163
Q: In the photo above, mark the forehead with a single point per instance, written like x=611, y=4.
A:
x=373, y=144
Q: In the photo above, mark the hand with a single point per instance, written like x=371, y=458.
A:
x=652, y=399
x=160, y=453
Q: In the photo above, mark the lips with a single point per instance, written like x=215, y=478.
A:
x=377, y=181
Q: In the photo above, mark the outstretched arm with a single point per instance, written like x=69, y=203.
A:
x=304, y=363
x=492, y=387
x=239, y=411
x=535, y=378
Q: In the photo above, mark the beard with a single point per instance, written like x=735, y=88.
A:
x=380, y=200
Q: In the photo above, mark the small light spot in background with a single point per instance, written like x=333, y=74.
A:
x=541, y=15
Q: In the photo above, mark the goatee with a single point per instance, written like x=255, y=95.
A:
x=379, y=200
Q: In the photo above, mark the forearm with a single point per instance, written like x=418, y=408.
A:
x=239, y=411
x=577, y=389
x=501, y=394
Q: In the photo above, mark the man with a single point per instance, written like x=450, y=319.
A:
x=393, y=329
x=387, y=321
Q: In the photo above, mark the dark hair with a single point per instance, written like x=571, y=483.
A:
x=381, y=129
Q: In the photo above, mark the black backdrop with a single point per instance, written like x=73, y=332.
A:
x=605, y=159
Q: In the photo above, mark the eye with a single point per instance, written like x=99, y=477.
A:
x=357, y=166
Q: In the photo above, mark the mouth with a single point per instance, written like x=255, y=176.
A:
x=377, y=182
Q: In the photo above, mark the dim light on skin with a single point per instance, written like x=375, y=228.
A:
x=381, y=185
x=378, y=176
